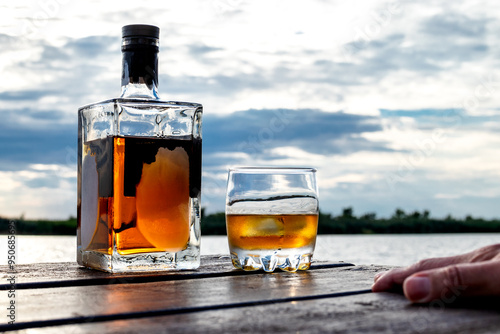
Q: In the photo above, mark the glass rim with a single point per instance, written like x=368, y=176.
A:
x=272, y=169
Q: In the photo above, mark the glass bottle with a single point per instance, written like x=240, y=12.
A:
x=139, y=171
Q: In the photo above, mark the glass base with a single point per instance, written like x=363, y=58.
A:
x=269, y=260
x=158, y=261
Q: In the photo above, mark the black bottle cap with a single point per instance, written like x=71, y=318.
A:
x=140, y=30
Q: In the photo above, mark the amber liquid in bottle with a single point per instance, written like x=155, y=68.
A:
x=144, y=192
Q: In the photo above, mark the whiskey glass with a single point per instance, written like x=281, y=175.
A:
x=272, y=217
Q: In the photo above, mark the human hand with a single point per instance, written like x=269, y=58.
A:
x=472, y=274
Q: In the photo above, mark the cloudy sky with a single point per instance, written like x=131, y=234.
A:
x=395, y=103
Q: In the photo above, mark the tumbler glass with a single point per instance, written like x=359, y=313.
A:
x=272, y=217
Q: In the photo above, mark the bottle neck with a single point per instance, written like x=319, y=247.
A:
x=140, y=68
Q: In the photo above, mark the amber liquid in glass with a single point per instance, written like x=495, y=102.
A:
x=143, y=194
x=267, y=232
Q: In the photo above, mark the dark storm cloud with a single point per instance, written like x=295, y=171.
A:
x=444, y=118
x=27, y=118
x=27, y=143
x=26, y=95
x=443, y=42
x=440, y=44
x=93, y=46
x=49, y=180
x=250, y=131
x=223, y=85
x=74, y=69
x=201, y=49
x=78, y=63
x=428, y=54
x=316, y=131
x=455, y=25
x=6, y=40
x=453, y=37
x=51, y=54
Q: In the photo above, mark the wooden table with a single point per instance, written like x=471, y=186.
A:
x=328, y=298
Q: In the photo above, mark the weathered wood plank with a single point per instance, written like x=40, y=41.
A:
x=62, y=271
x=211, y=266
x=257, y=302
x=88, y=301
x=367, y=313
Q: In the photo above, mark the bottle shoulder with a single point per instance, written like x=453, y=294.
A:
x=142, y=103
x=140, y=118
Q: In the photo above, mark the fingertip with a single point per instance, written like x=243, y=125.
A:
x=376, y=288
x=378, y=275
x=382, y=282
x=418, y=289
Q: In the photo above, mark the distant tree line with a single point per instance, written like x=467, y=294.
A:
x=40, y=227
x=345, y=223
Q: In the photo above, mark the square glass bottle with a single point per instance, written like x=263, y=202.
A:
x=139, y=171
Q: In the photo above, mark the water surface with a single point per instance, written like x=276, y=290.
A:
x=389, y=249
